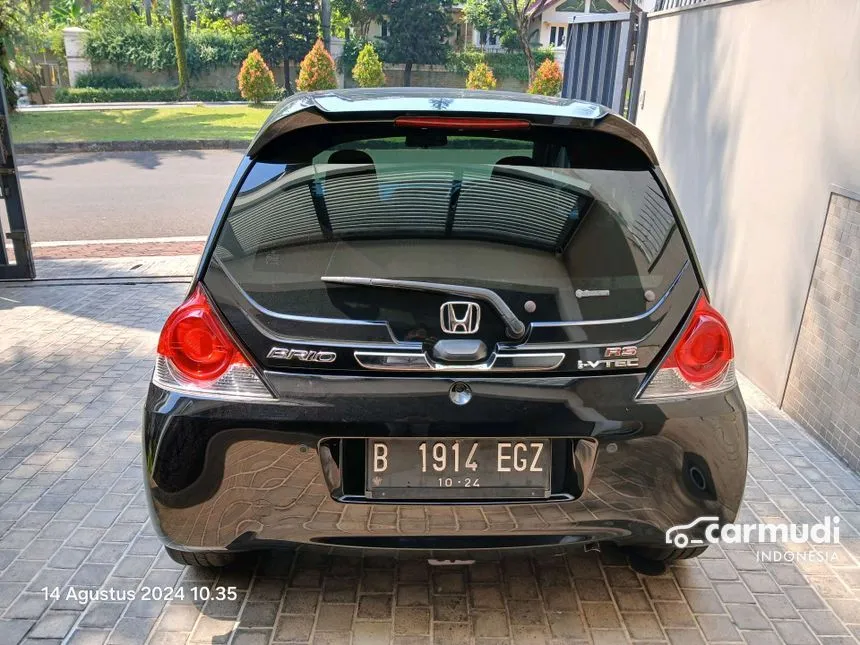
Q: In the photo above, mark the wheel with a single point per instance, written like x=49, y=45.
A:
x=667, y=555
x=205, y=559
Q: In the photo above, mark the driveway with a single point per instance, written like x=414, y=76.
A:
x=75, y=359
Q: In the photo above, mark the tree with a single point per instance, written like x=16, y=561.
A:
x=8, y=23
x=481, y=78
x=488, y=16
x=325, y=22
x=178, y=19
x=547, y=79
x=27, y=34
x=492, y=14
x=256, y=81
x=213, y=11
x=368, y=68
x=317, y=70
x=418, y=31
x=106, y=14
x=358, y=13
x=284, y=30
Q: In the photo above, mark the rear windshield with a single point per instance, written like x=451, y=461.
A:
x=520, y=215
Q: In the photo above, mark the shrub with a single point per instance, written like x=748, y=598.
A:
x=547, y=79
x=481, y=78
x=368, y=68
x=140, y=94
x=105, y=80
x=317, y=70
x=256, y=81
x=152, y=48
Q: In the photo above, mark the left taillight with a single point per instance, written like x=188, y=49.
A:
x=701, y=362
x=197, y=356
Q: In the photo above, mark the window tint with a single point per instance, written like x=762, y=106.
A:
x=471, y=188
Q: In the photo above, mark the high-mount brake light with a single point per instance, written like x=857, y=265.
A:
x=701, y=362
x=197, y=356
x=461, y=123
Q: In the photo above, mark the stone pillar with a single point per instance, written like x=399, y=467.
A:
x=336, y=52
x=73, y=38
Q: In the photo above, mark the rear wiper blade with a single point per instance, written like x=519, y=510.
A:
x=515, y=327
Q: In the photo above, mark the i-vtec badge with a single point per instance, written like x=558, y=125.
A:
x=615, y=358
x=306, y=355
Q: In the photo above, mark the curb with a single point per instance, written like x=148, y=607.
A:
x=59, y=147
x=127, y=105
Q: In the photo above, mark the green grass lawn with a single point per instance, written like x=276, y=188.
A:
x=193, y=122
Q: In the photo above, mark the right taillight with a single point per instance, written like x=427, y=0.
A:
x=701, y=362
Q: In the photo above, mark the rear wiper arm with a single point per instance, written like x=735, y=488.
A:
x=515, y=327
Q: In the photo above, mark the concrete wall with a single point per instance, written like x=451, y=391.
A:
x=824, y=385
x=753, y=109
x=224, y=77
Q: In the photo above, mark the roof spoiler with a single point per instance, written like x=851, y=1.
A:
x=305, y=110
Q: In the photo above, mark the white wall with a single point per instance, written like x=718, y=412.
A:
x=754, y=110
x=552, y=18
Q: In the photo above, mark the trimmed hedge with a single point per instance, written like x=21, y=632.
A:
x=140, y=95
x=105, y=80
x=214, y=95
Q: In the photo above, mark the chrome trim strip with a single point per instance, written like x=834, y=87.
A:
x=413, y=361
x=392, y=360
x=531, y=362
x=620, y=321
x=312, y=319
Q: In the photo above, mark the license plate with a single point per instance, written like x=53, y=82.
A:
x=457, y=468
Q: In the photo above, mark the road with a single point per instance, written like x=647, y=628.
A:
x=99, y=196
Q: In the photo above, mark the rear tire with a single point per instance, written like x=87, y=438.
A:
x=203, y=559
x=668, y=555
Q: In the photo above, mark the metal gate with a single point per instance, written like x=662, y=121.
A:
x=603, y=60
x=20, y=266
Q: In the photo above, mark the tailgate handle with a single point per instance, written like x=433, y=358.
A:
x=459, y=351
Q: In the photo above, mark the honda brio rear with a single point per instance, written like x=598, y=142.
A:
x=438, y=319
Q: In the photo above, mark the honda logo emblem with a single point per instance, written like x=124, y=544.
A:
x=460, y=317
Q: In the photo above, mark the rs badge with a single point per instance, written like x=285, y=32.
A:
x=614, y=358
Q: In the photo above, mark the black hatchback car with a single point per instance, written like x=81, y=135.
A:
x=444, y=320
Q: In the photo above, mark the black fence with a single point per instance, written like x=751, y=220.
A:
x=20, y=265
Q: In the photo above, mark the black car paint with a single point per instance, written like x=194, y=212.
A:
x=636, y=490
x=232, y=475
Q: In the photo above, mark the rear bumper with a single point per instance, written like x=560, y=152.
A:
x=226, y=475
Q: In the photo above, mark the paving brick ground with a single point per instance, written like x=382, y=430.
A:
x=74, y=363
x=148, y=249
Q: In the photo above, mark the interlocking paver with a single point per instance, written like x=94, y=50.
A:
x=75, y=360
